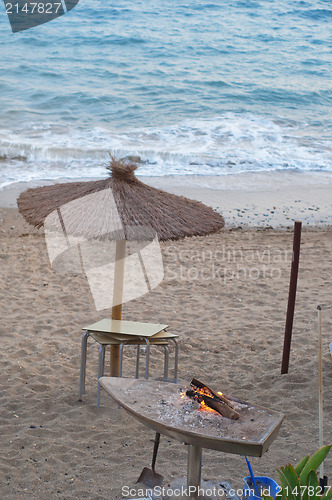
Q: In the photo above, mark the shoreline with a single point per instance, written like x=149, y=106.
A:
x=269, y=199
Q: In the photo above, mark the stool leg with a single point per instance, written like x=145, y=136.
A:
x=121, y=358
x=137, y=360
x=147, y=359
x=87, y=335
x=176, y=361
x=101, y=365
x=84, y=346
x=166, y=349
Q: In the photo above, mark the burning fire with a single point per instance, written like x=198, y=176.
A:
x=183, y=393
x=211, y=401
x=205, y=392
x=204, y=406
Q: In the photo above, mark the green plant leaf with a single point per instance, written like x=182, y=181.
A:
x=314, y=462
x=301, y=464
x=280, y=495
x=311, y=488
x=290, y=483
x=327, y=495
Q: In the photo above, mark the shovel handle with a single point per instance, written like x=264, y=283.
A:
x=155, y=450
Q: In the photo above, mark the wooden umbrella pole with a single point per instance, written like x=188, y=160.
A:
x=120, y=255
x=291, y=297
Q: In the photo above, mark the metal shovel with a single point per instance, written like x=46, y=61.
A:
x=150, y=477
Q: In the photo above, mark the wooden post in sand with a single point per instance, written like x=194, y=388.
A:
x=291, y=296
x=120, y=255
x=320, y=388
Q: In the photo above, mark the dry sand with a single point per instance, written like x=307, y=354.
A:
x=225, y=295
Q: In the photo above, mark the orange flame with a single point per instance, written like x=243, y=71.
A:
x=183, y=393
x=204, y=406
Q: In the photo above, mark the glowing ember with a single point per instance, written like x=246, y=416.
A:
x=183, y=393
x=205, y=407
x=211, y=401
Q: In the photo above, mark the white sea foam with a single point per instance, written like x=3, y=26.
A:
x=229, y=144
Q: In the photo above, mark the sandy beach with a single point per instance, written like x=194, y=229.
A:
x=225, y=295
x=253, y=199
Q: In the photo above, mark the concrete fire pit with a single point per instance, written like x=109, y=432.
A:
x=166, y=409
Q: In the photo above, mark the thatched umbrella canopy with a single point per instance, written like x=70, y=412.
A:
x=172, y=217
x=111, y=210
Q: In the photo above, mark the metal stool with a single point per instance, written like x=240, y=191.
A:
x=104, y=340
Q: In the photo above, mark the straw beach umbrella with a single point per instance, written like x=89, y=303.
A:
x=115, y=209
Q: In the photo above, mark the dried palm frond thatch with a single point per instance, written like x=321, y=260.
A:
x=137, y=204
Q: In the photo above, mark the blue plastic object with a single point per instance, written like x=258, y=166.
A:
x=265, y=485
x=252, y=478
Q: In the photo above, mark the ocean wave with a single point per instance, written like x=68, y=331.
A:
x=317, y=14
x=189, y=88
x=226, y=145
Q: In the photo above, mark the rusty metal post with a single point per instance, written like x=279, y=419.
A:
x=291, y=296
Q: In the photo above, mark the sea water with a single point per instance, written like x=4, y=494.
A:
x=193, y=87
